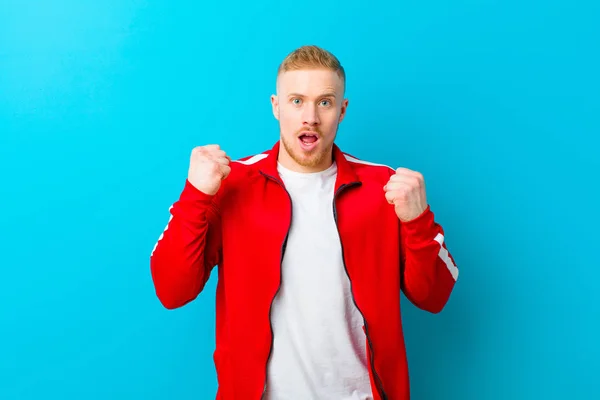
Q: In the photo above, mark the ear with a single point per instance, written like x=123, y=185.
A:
x=275, y=106
x=343, y=110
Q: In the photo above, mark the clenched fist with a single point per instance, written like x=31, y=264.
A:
x=209, y=165
x=406, y=191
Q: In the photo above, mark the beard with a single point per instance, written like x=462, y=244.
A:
x=307, y=159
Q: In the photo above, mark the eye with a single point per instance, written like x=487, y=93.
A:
x=326, y=103
x=296, y=101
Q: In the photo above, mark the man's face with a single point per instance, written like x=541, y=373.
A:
x=309, y=106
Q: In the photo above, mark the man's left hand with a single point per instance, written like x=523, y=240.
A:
x=406, y=191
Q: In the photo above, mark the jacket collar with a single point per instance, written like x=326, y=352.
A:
x=345, y=171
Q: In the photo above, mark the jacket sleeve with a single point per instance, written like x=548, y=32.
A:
x=428, y=269
x=188, y=248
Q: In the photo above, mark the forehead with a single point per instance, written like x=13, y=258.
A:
x=309, y=82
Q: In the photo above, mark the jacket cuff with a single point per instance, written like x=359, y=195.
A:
x=191, y=193
x=420, y=230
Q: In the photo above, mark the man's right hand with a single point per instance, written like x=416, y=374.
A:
x=209, y=165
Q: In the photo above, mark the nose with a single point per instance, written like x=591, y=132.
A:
x=310, y=115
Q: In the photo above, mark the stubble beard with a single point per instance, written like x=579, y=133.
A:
x=306, y=159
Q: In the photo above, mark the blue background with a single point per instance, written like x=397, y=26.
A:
x=496, y=103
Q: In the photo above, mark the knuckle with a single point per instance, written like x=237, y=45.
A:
x=213, y=167
x=199, y=151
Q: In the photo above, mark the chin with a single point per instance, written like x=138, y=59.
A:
x=309, y=159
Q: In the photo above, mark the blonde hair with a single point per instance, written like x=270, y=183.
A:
x=311, y=57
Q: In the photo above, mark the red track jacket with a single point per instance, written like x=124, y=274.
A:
x=243, y=229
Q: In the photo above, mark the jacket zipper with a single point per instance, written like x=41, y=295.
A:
x=283, y=246
x=377, y=379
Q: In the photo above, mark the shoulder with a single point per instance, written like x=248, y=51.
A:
x=247, y=162
x=368, y=170
x=247, y=166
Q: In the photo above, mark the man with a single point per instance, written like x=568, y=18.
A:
x=313, y=248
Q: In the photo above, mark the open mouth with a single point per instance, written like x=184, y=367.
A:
x=308, y=140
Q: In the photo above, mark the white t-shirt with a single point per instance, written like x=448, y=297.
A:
x=318, y=344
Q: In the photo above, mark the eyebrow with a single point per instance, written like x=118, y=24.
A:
x=328, y=94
